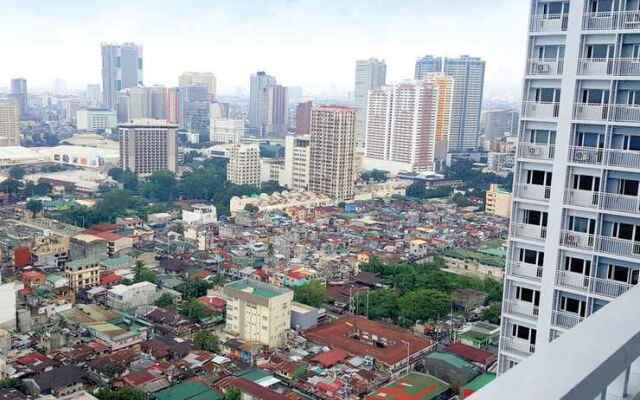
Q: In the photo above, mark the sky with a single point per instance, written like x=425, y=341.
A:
x=309, y=43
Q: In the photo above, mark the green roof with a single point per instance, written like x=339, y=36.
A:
x=257, y=288
x=451, y=359
x=415, y=386
x=480, y=382
x=255, y=375
x=118, y=262
x=483, y=258
x=82, y=262
x=188, y=391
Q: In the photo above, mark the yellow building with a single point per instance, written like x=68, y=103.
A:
x=444, y=85
x=83, y=273
x=258, y=312
x=498, y=202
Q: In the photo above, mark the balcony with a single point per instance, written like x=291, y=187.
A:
x=586, y=155
x=550, y=23
x=522, y=308
x=536, y=151
x=591, y=112
x=609, y=66
x=627, y=159
x=611, y=20
x=525, y=270
x=541, y=110
x=573, y=280
x=577, y=240
x=533, y=192
x=529, y=231
x=619, y=247
x=603, y=201
x=603, y=287
x=626, y=113
x=545, y=66
x=516, y=345
x=565, y=319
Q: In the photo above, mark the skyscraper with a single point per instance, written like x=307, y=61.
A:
x=468, y=76
x=402, y=124
x=332, y=141
x=370, y=74
x=495, y=123
x=259, y=81
x=207, y=79
x=121, y=68
x=575, y=229
x=303, y=118
x=19, y=93
x=147, y=146
x=275, y=110
x=9, y=123
x=194, y=105
x=93, y=95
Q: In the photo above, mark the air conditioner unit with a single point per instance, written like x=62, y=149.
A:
x=544, y=68
x=535, y=151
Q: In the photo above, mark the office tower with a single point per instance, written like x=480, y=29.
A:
x=495, y=124
x=219, y=110
x=275, y=111
x=19, y=93
x=244, y=164
x=137, y=103
x=468, y=77
x=172, y=105
x=297, y=160
x=575, y=228
x=402, y=120
x=96, y=119
x=148, y=145
x=259, y=81
x=94, y=95
x=370, y=74
x=303, y=118
x=9, y=123
x=158, y=96
x=207, y=79
x=121, y=69
x=332, y=151
x=194, y=109
x=225, y=130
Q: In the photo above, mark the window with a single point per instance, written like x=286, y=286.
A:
x=631, y=142
x=523, y=332
x=581, y=224
x=586, y=182
x=623, y=274
x=577, y=265
x=628, y=187
x=595, y=96
x=531, y=256
x=599, y=51
x=547, y=95
x=528, y=295
x=573, y=306
x=535, y=177
x=535, y=217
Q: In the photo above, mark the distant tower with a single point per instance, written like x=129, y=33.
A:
x=121, y=68
x=19, y=93
x=259, y=82
x=207, y=79
x=370, y=74
x=9, y=123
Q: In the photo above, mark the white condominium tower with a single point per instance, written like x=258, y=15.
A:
x=575, y=230
x=9, y=123
x=332, y=142
x=259, y=82
x=244, y=164
x=147, y=146
x=406, y=121
x=121, y=69
x=370, y=74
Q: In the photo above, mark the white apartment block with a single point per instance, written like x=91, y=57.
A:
x=148, y=145
x=200, y=214
x=402, y=124
x=272, y=170
x=123, y=297
x=332, y=151
x=575, y=228
x=9, y=124
x=370, y=74
x=244, y=164
x=224, y=130
x=258, y=312
x=297, y=159
x=96, y=119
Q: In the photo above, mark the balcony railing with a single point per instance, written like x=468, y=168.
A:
x=591, y=112
x=628, y=159
x=533, y=192
x=536, y=151
x=549, y=23
x=522, y=308
x=541, y=110
x=609, y=66
x=617, y=246
x=545, y=66
x=565, y=319
x=578, y=240
x=573, y=280
x=603, y=200
x=529, y=231
x=626, y=113
x=531, y=271
x=517, y=345
x=611, y=20
x=604, y=287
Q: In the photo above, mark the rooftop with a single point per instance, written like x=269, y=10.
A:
x=257, y=288
x=414, y=386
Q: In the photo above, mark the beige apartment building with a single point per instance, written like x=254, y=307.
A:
x=9, y=124
x=297, y=158
x=148, y=145
x=498, y=201
x=83, y=273
x=244, y=164
x=258, y=312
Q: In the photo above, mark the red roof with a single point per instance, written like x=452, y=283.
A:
x=32, y=358
x=109, y=279
x=138, y=378
x=108, y=236
x=253, y=389
x=104, y=227
x=330, y=358
x=97, y=347
x=471, y=353
x=213, y=301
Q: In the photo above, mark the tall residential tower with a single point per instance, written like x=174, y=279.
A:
x=121, y=69
x=370, y=74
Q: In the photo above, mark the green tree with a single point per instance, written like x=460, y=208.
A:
x=232, y=394
x=35, y=206
x=126, y=393
x=194, y=310
x=161, y=186
x=166, y=300
x=492, y=314
x=194, y=288
x=16, y=173
x=143, y=274
x=423, y=305
x=381, y=304
x=205, y=340
x=460, y=200
x=375, y=175
x=417, y=190
x=313, y=294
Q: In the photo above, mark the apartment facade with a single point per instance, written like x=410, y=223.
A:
x=332, y=151
x=96, y=119
x=370, y=74
x=244, y=164
x=575, y=228
x=224, y=130
x=498, y=202
x=259, y=81
x=297, y=159
x=121, y=68
x=83, y=273
x=9, y=123
x=207, y=79
x=148, y=145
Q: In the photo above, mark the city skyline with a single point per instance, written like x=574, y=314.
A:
x=234, y=40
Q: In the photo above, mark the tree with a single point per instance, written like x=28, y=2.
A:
x=232, y=394
x=126, y=393
x=143, y=274
x=205, y=340
x=313, y=294
x=417, y=190
x=375, y=175
x=35, y=206
x=423, y=305
x=161, y=186
x=460, y=200
x=128, y=179
x=194, y=310
x=492, y=314
x=16, y=173
x=166, y=300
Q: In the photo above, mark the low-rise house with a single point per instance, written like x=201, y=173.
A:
x=123, y=297
x=58, y=382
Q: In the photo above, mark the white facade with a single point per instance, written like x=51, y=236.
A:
x=244, y=164
x=272, y=170
x=94, y=119
x=575, y=228
x=126, y=297
x=297, y=158
x=8, y=309
x=280, y=201
x=200, y=214
x=370, y=74
x=226, y=130
x=9, y=124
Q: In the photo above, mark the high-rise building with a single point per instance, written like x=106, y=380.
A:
x=275, y=111
x=194, y=109
x=172, y=105
x=402, y=123
x=303, y=118
x=96, y=119
x=244, y=164
x=225, y=130
x=134, y=103
x=495, y=124
x=259, y=82
x=370, y=74
x=468, y=76
x=121, y=69
x=147, y=146
x=332, y=151
x=93, y=95
x=297, y=160
x=575, y=228
x=498, y=201
x=19, y=93
x=207, y=79
x=9, y=123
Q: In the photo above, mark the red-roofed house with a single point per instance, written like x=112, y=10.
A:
x=475, y=355
x=213, y=303
x=330, y=358
x=115, y=242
